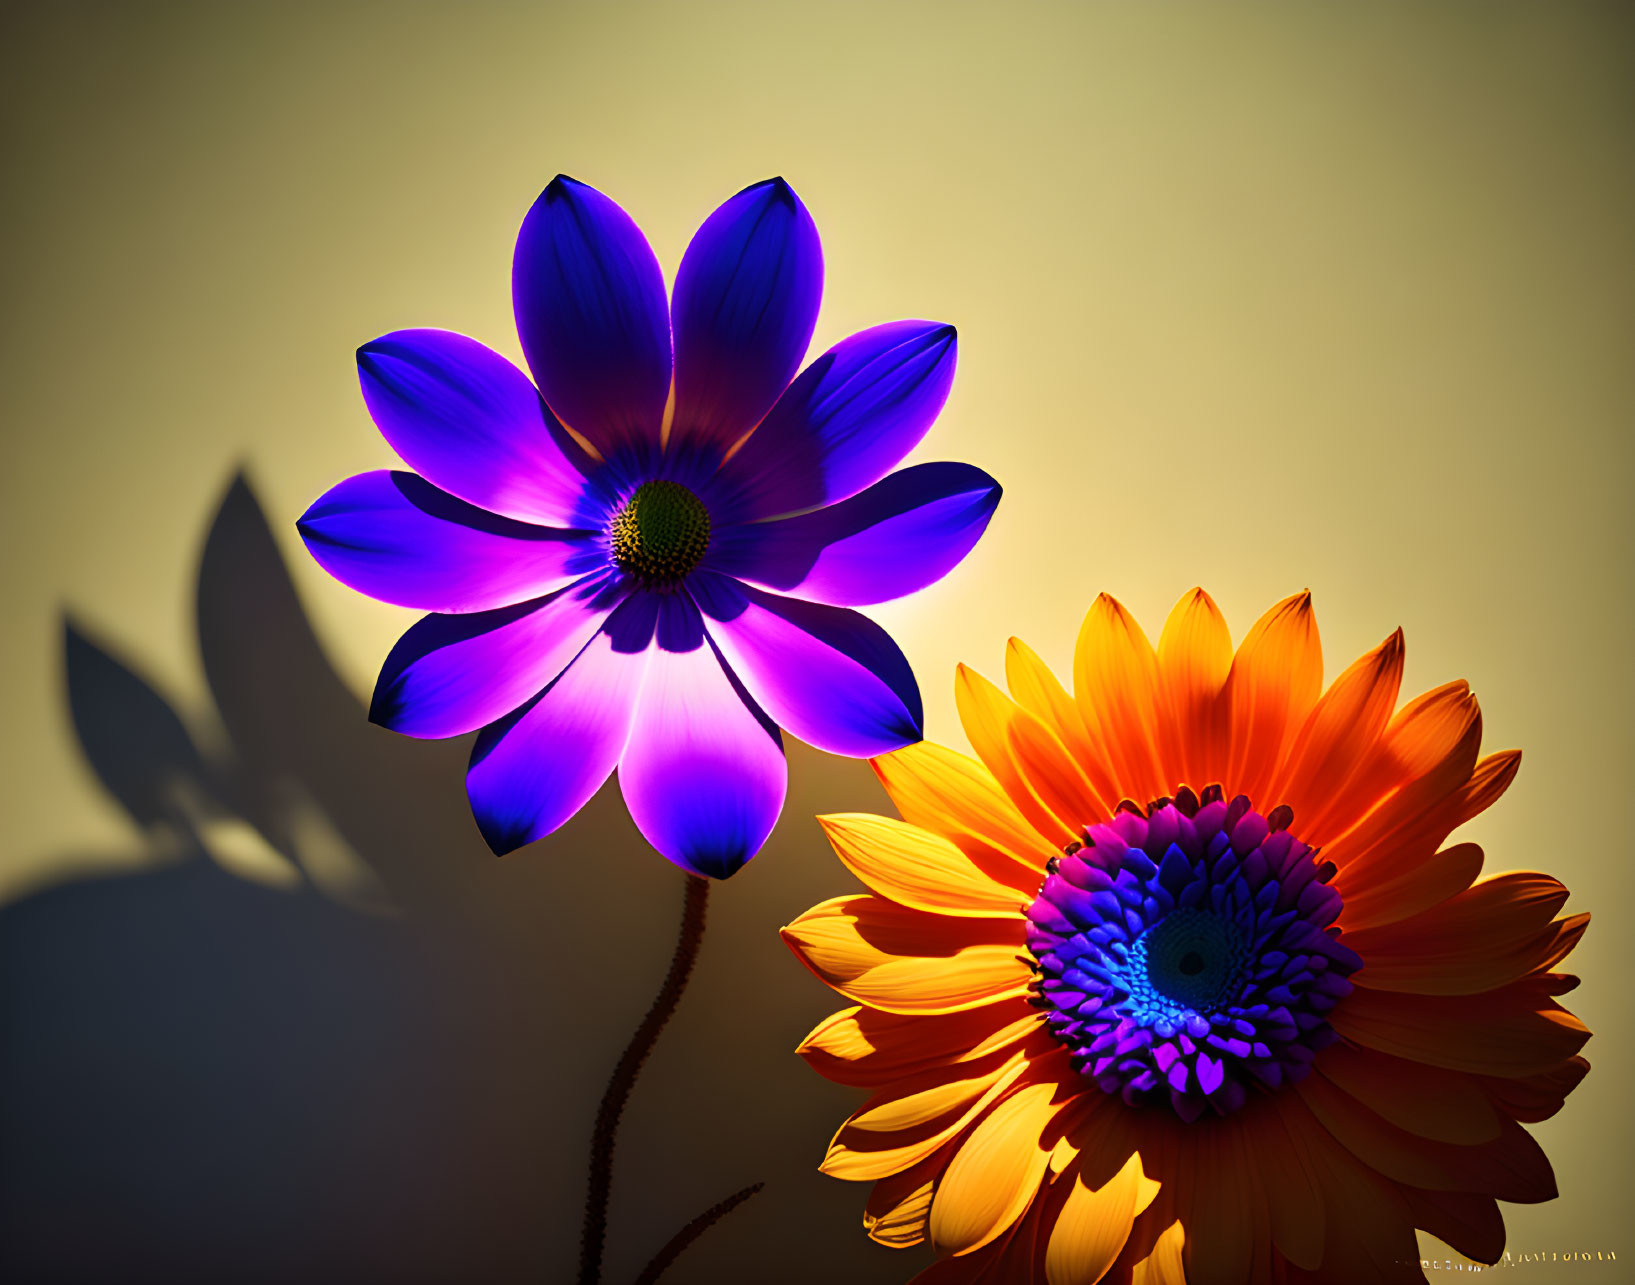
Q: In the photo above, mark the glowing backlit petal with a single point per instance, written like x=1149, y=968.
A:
x=1341, y=730
x=1271, y=687
x=1194, y=657
x=943, y=791
x=1163, y=1266
x=659, y=460
x=890, y=958
x=916, y=868
x=1115, y=682
x=994, y=1172
x=1092, y=1227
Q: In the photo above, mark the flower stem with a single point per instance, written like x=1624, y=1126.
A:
x=624, y=1079
x=691, y=1232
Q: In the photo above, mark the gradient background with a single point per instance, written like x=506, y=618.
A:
x=1253, y=297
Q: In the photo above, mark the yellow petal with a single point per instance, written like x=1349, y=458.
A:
x=869, y=1048
x=862, y=1155
x=1115, y=682
x=899, y=1206
x=1163, y=1265
x=1092, y=1227
x=995, y=1173
x=1194, y=657
x=916, y=868
x=929, y=1095
x=877, y=953
x=941, y=790
x=1272, y=686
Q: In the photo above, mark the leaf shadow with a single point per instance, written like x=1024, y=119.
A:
x=322, y=1034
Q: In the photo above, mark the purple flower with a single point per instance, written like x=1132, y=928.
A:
x=648, y=562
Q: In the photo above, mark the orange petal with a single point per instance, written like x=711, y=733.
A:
x=1164, y=1265
x=1468, y=1222
x=916, y=868
x=1511, y=1167
x=1271, y=687
x=987, y=716
x=1290, y=1177
x=1507, y=1032
x=1051, y=772
x=1341, y=731
x=1443, y=1105
x=1412, y=823
x=952, y=795
x=1367, y=1228
x=868, y=1048
x=1092, y=1227
x=1487, y=936
x=1194, y=657
x=1216, y=1208
x=1115, y=684
x=1037, y=690
x=1531, y=1098
x=877, y=953
x=1505, y=907
x=995, y=1174
x=1387, y=895
x=1418, y=740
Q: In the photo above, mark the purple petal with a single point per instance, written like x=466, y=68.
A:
x=746, y=299
x=471, y=423
x=591, y=313
x=903, y=533
x=453, y=674
x=848, y=419
x=832, y=677
x=532, y=771
x=396, y=537
x=704, y=772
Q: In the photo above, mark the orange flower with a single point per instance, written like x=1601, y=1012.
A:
x=1178, y=976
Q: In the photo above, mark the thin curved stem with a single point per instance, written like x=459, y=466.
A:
x=691, y=1232
x=605, y=1134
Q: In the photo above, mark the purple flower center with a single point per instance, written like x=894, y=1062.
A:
x=661, y=533
x=1188, y=954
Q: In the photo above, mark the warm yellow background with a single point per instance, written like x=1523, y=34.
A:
x=1258, y=297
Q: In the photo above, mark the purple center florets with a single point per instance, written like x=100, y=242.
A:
x=1189, y=953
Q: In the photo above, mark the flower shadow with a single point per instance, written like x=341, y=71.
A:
x=322, y=1034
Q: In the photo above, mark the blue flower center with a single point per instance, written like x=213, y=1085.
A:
x=1188, y=954
x=1189, y=960
x=661, y=533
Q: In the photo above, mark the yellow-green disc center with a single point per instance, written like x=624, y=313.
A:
x=661, y=533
